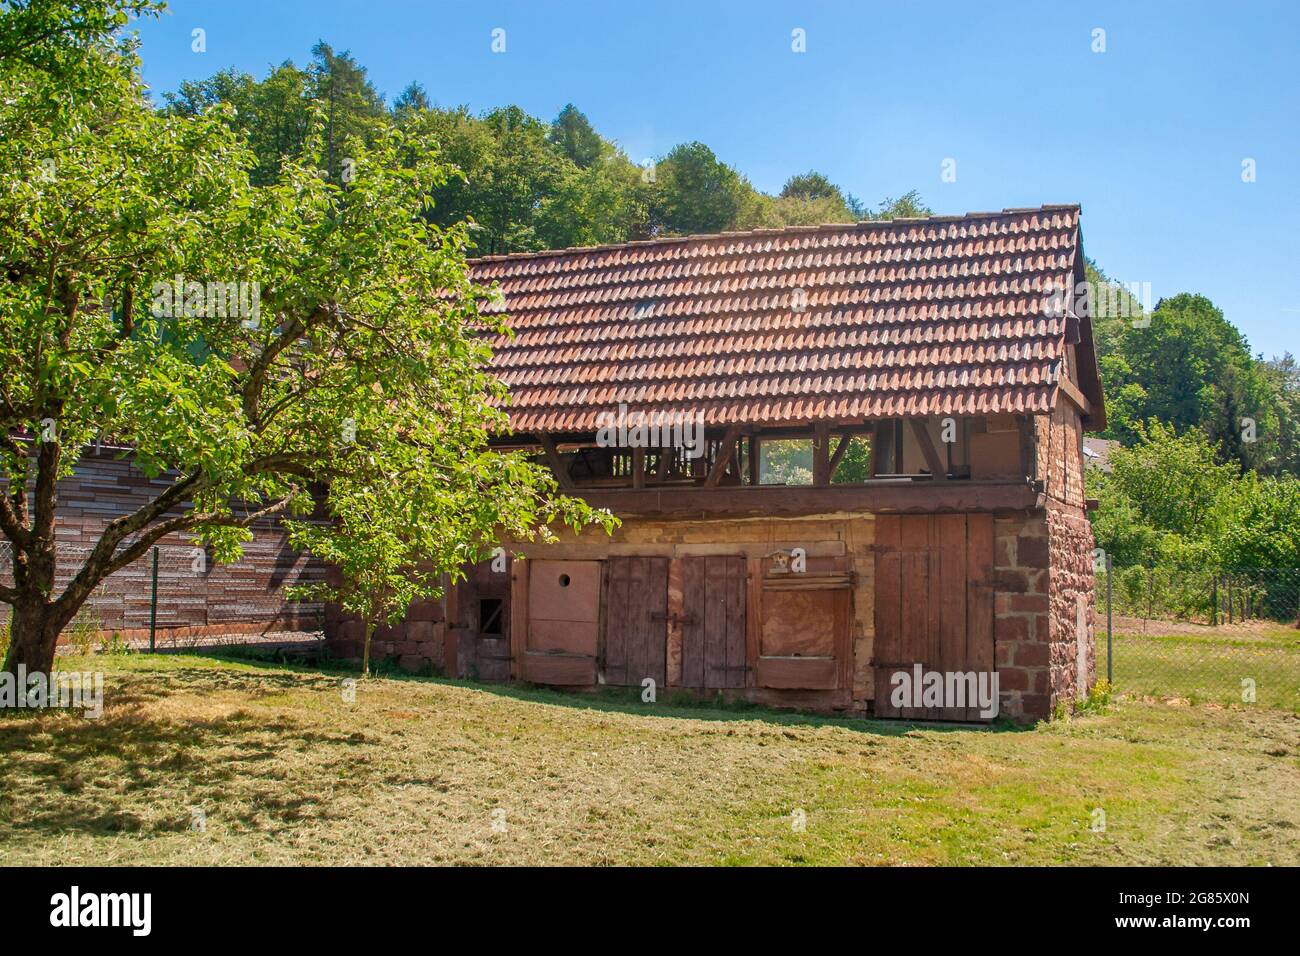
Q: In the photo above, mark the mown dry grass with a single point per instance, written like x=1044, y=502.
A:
x=287, y=772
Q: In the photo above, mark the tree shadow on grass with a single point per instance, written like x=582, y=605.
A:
x=689, y=707
x=674, y=704
x=61, y=772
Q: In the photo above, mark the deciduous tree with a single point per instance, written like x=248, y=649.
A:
x=252, y=345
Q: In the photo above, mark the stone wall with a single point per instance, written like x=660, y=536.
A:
x=1072, y=594
x=1021, y=625
x=1059, y=443
x=1043, y=566
x=418, y=642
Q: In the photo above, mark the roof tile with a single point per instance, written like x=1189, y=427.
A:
x=875, y=319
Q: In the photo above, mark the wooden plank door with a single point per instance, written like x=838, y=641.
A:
x=713, y=622
x=636, y=621
x=561, y=626
x=934, y=603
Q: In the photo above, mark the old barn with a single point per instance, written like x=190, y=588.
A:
x=712, y=390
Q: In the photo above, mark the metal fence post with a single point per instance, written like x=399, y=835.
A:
x=1110, y=625
x=153, y=601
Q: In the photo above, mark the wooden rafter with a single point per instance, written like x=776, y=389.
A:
x=1071, y=391
x=661, y=466
x=920, y=497
x=556, y=462
x=840, y=449
x=932, y=459
x=725, y=454
x=638, y=467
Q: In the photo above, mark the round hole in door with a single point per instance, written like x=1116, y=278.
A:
x=564, y=580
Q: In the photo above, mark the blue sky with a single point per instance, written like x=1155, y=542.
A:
x=1149, y=136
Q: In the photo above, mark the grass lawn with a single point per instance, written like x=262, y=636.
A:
x=1203, y=664
x=427, y=771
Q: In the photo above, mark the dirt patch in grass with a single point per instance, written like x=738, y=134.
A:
x=283, y=769
x=1245, y=630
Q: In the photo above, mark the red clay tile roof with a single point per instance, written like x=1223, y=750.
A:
x=937, y=316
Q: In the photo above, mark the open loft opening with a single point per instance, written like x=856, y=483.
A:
x=983, y=448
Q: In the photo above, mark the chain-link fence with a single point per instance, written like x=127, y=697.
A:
x=176, y=597
x=1210, y=636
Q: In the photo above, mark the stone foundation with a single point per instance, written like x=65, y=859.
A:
x=1072, y=590
x=1042, y=570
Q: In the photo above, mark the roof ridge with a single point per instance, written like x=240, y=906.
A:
x=770, y=231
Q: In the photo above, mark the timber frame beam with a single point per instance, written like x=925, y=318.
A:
x=558, y=467
x=884, y=496
x=821, y=454
x=932, y=459
x=725, y=456
x=1071, y=391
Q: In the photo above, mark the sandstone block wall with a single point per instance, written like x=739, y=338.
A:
x=1021, y=620
x=1072, y=592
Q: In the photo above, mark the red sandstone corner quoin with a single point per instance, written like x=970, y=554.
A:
x=967, y=548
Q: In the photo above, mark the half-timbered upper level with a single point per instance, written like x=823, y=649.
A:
x=734, y=373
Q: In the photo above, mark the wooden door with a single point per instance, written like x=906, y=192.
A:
x=934, y=603
x=713, y=622
x=561, y=626
x=636, y=621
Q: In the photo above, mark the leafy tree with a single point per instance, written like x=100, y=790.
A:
x=273, y=115
x=811, y=185
x=572, y=134
x=604, y=203
x=1265, y=530
x=1168, y=500
x=412, y=99
x=403, y=524
x=1112, y=307
x=61, y=36
x=351, y=107
x=786, y=461
x=1173, y=480
x=523, y=184
x=1190, y=368
x=355, y=359
x=696, y=193
x=908, y=205
x=855, y=464
x=1283, y=377
x=507, y=172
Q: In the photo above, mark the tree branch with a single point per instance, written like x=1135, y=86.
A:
x=292, y=331
x=81, y=585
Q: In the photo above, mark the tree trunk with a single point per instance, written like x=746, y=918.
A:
x=35, y=623
x=33, y=634
x=365, y=649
